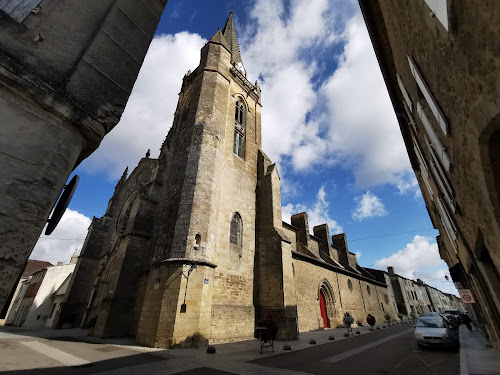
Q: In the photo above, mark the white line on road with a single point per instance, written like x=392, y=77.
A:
x=362, y=348
x=58, y=355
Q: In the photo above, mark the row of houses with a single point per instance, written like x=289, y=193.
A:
x=40, y=293
x=414, y=297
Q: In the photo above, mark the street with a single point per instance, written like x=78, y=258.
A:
x=398, y=355
x=386, y=351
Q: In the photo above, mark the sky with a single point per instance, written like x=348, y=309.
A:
x=327, y=122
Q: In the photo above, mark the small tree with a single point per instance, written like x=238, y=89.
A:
x=387, y=317
x=413, y=315
x=348, y=320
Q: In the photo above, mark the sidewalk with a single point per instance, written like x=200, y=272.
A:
x=477, y=356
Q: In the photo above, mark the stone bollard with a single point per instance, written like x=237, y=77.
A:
x=331, y=337
x=211, y=349
x=312, y=341
x=358, y=333
x=287, y=347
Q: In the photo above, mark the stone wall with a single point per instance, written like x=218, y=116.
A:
x=66, y=73
x=358, y=301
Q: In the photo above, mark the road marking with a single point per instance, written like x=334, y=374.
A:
x=349, y=353
x=427, y=364
x=58, y=355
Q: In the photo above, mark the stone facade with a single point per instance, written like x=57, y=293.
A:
x=66, y=71
x=192, y=248
x=440, y=63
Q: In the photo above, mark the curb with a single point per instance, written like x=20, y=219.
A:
x=464, y=367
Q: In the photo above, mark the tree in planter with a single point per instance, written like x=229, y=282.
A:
x=413, y=315
x=348, y=320
x=387, y=317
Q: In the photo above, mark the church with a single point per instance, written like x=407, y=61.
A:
x=192, y=248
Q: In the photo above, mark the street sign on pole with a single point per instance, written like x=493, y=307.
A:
x=466, y=295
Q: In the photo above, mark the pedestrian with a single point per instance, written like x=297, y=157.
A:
x=466, y=320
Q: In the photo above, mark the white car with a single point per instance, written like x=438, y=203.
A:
x=433, y=329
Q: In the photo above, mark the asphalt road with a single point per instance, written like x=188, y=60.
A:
x=389, y=351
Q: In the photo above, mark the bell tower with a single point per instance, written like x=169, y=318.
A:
x=201, y=280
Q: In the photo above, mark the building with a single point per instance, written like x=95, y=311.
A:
x=32, y=266
x=40, y=296
x=439, y=59
x=409, y=293
x=66, y=71
x=192, y=248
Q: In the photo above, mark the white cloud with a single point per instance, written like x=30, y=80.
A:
x=420, y=260
x=350, y=118
x=274, y=54
x=417, y=256
x=317, y=213
x=149, y=112
x=358, y=254
x=364, y=131
x=67, y=238
x=369, y=205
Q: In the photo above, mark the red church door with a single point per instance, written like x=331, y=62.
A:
x=322, y=306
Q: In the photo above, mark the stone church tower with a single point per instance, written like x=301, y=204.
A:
x=179, y=265
x=206, y=206
x=192, y=248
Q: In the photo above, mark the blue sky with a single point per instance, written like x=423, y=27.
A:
x=327, y=121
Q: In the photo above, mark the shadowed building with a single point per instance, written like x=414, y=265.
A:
x=67, y=68
x=192, y=248
x=440, y=62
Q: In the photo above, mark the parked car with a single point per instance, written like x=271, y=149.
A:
x=433, y=329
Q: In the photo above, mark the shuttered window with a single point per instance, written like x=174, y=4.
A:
x=429, y=98
x=434, y=140
x=405, y=93
x=423, y=168
x=18, y=9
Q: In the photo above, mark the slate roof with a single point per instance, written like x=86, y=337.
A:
x=33, y=266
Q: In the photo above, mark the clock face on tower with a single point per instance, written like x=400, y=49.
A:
x=240, y=67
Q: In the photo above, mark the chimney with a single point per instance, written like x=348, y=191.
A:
x=302, y=223
x=340, y=241
x=323, y=233
x=390, y=270
x=60, y=264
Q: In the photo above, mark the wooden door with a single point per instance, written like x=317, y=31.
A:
x=322, y=306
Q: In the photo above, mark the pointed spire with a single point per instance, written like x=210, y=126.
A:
x=122, y=179
x=219, y=38
x=229, y=32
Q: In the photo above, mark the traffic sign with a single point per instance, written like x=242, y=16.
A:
x=466, y=295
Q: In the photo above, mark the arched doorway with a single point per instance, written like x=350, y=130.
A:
x=327, y=303
x=322, y=306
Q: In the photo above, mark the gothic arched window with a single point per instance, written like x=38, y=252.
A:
x=239, y=128
x=236, y=230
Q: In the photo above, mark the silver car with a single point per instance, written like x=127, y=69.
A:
x=433, y=329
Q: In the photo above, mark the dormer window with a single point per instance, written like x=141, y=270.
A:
x=239, y=128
